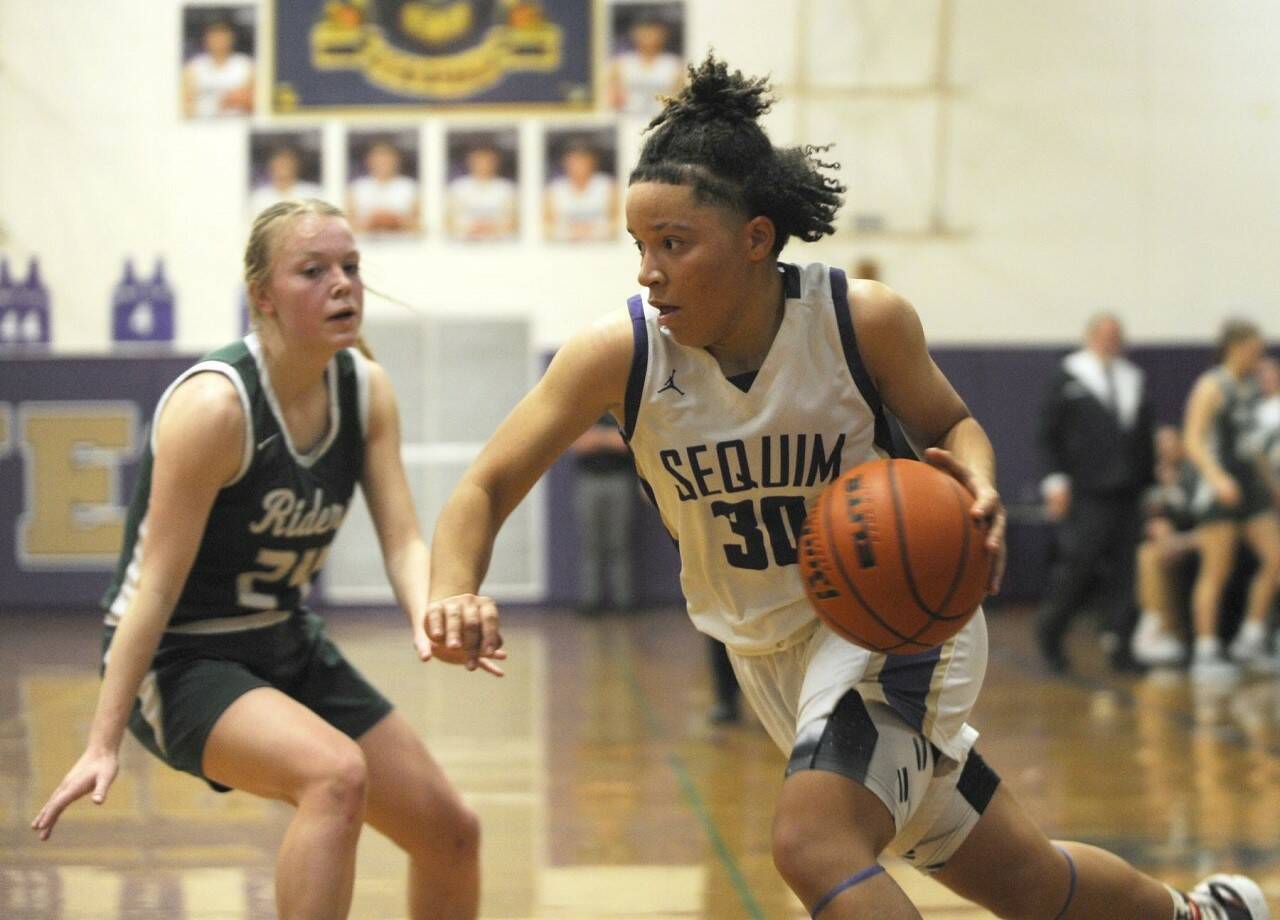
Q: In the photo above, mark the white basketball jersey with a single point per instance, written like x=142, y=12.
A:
x=212, y=81
x=399, y=195
x=645, y=82
x=581, y=213
x=264, y=196
x=734, y=473
x=481, y=201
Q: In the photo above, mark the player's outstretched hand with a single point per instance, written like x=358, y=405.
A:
x=462, y=629
x=93, y=773
x=987, y=509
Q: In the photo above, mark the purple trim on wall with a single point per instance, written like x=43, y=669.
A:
x=1003, y=387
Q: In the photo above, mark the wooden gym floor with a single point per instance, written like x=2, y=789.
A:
x=603, y=791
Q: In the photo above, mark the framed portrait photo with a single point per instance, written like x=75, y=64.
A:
x=580, y=187
x=283, y=166
x=646, y=55
x=218, y=60
x=383, y=190
x=482, y=195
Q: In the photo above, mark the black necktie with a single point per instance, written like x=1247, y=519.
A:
x=1112, y=401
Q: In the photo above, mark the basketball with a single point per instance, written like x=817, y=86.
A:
x=891, y=558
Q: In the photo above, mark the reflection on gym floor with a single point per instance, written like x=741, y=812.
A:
x=603, y=790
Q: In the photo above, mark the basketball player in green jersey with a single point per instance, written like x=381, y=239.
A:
x=211, y=657
x=736, y=367
x=1234, y=501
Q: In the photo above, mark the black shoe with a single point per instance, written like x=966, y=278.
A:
x=1123, y=662
x=1051, y=653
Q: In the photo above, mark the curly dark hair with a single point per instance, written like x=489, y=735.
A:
x=707, y=137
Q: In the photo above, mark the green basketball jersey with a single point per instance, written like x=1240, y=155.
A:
x=270, y=528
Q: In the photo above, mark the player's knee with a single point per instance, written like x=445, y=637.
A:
x=792, y=846
x=451, y=835
x=1034, y=886
x=804, y=848
x=1269, y=565
x=339, y=781
x=462, y=833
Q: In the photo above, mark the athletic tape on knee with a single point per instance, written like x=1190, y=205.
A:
x=1071, y=887
x=852, y=880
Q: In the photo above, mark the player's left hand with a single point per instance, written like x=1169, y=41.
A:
x=487, y=663
x=462, y=629
x=987, y=510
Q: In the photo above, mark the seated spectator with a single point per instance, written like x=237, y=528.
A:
x=1167, y=550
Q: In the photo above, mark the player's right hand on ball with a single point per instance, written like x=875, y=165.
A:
x=92, y=773
x=462, y=629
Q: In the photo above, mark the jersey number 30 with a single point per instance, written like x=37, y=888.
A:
x=782, y=517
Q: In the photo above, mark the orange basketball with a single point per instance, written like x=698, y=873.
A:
x=891, y=558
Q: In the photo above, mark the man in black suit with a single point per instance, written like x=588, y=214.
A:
x=1096, y=436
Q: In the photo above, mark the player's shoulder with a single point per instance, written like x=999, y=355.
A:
x=608, y=338
x=878, y=310
x=206, y=412
x=213, y=394
x=1210, y=380
x=598, y=357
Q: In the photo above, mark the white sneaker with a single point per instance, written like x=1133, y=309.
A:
x=1229, y=897
x=1158, y=649
x=1213, y=670
x=1245, y=649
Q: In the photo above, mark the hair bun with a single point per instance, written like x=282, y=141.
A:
x=714, y=93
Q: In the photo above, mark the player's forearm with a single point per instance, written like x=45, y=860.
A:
x=969, y=444
x=463, y=542
x=1202, y=458
x=407, y=569
x=132, y=649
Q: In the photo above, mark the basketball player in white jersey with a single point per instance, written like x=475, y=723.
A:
x=219, y=80
x=744, y=385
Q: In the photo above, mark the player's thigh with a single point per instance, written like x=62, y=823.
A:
x=1263, y=533
x=410, y=799
x=826, y=827
x=1007, y=864
x=271, y=745
x=1217, y=542
x=855, y=776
